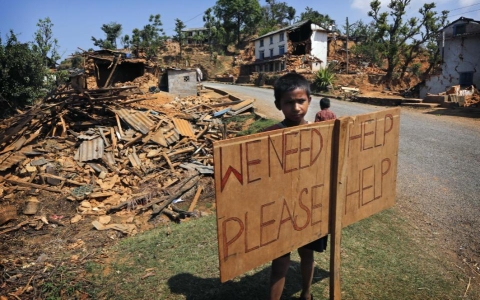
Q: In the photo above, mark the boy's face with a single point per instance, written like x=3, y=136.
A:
x=294, y=105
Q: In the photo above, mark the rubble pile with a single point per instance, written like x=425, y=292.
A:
x=106, y=152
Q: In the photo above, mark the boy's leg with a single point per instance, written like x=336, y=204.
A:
x=306, y=267
x=277, y=277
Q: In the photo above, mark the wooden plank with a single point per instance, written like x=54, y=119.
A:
x=195, y=199
x=272, y=194
x=338, y=195
x=33, y=185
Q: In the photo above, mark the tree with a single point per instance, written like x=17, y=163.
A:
x=22, y=73
x=45, y=44
x=150, y=37
x=323, y=20
x=275, y=14
x=367, y=46
x=125, y=40
x=238, y=17
x=179, y=36
x=395, y=33
x=112, y=31
x=431, y=24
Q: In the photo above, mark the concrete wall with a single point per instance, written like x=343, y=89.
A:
x=275, y=45
x=182, y=82
x=460, y=54
x=319, y=46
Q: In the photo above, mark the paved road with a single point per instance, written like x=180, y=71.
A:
x=438, y=184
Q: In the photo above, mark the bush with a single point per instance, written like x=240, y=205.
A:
x=323, y=79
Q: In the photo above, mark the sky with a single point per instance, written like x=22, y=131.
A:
x=75, y=22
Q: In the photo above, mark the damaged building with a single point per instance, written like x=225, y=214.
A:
x=459, y=42
x=108, y=67
x=302, y=45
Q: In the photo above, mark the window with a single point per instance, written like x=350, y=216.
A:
x=466, y=78
x=459, y=29
x=281, y=50
x=262, y=54
x=282, y=36
x=261, y=43
x=271, y=40
x=271, y=52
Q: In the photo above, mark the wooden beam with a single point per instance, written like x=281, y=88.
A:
x=337, y=202
x=111, y=73
x=33, y=185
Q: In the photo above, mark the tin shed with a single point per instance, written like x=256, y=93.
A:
x=182, y=82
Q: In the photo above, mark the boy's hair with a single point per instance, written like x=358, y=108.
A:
x=287, y=83
x=324, y=103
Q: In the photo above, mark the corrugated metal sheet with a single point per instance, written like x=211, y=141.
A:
x=136, y=119
x=90, y=150
x=172, y=136
x=184, y=127
x=110, y=158
x=8, y=160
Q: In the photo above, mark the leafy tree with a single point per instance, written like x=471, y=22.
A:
x=45, y=44
x=238, y=17
x=179, y=36
x=125, y=40
x=367, y=46
x=275, y=14
x=112, y=31
x=320, y=19
x=395, y=32
x=22, y=74
x=150, y=37
x=431, y=24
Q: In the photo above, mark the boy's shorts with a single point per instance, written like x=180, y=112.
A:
x=319, y=245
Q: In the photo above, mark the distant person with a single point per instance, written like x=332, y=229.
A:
x=325, y=113
x=292, y=97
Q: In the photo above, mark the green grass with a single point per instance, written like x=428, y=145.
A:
x=258, y=123
x=380, y=260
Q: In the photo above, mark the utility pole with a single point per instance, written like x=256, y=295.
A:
x=348, y=26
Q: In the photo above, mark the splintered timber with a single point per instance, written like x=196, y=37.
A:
x=273, y=189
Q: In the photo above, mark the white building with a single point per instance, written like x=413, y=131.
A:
x=459, y=44
x=304, y=39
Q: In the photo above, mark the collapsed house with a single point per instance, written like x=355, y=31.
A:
x=302, y=45
x=459, y=42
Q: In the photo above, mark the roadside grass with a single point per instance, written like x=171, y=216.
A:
x=380, y=260
x=257, y=124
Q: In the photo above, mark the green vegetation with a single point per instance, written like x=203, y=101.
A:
x=323, y=79
x=179, y=36
x=255, y=124
x=113, y=30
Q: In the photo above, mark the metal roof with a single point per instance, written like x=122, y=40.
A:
x=10, y=159
x=90, y=150
x=184, y=127
x=136, y=119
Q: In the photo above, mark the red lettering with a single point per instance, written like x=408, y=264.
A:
x=270, y=142
x=283, y=221
x=226, y=243
x=246, y=236
x=230, y=170
x=264, y=224
x=365, y=134
x=305, y=208
x=251, y=162
x=312, y=158
x=289, y=152
x=385, y=130
x=316, y=205
x=302, y=150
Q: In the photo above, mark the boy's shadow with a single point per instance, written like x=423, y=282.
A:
x=248, y=287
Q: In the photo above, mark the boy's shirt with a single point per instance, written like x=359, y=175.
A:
x=324, y=115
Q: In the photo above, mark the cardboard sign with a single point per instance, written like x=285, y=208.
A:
x=371, y=160
x=272, y=194
x=274, y=189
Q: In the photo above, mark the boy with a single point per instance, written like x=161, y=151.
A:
x=292, y=97
x=325, y=113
